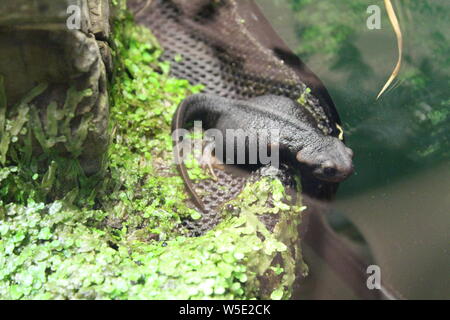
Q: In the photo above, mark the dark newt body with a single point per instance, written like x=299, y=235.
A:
x=301, y=143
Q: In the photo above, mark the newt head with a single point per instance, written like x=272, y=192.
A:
x=329, y=160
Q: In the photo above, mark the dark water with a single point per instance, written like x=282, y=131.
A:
x=399, y=197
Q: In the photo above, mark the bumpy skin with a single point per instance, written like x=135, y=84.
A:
x=302, y=144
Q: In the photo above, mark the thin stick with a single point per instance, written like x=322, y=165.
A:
x=398, y=33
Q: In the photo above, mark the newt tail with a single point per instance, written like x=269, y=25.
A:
x=186, y=112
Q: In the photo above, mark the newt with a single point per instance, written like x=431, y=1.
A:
x=301, y=144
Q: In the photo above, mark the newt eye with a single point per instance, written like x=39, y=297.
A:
x=329, y=171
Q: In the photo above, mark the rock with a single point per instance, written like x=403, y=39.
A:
x=99, y=15
x=39, y=47
x=48, y=14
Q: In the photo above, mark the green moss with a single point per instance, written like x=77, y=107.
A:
x=146, y=189
x=127, y=241
x=303, y=99
x=43, y=175
x=58, y=251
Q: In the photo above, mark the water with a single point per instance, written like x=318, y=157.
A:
x=399, y=195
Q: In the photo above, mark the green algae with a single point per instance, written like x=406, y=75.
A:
x=120, y=237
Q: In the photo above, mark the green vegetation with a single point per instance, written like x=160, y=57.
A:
x=408, y=126
x=144, y=100
x=31, y=167
x=57, y=251
x=118, y=235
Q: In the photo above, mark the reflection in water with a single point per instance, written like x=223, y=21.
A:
x=407, y=226
x=399, y=197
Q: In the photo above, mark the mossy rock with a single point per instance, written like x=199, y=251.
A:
x=48, y=64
